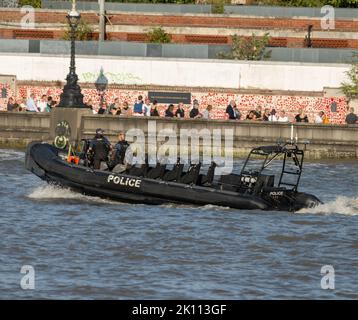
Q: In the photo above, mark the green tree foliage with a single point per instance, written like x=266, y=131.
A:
x=310, y=3
x=252, y=48
x=343, y=3
x=158, y=35
x=155, y=1
x=32, y=3
x=350, y=89
x=218, y=5
x=84, y=31
x=287, y=3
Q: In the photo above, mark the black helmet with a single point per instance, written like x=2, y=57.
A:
x=99, y=131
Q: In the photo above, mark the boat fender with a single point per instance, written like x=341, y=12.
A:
x=34, y=168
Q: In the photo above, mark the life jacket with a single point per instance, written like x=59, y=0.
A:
x=100, y=148
x=121, y=148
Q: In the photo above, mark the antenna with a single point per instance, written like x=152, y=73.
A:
x=291, y=133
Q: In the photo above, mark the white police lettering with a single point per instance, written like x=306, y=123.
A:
x=124, y=181
x=276, y=193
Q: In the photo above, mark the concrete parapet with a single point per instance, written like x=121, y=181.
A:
x=323, y=141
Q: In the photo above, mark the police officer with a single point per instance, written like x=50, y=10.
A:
x=99, y=149
x=118, y=162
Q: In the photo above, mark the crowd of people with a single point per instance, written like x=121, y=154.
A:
x=145, y=107
x=258, y=114
x=44, y=104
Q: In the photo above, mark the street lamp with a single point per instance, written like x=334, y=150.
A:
x=101, y=85
x=308, y=39
x=71, y=97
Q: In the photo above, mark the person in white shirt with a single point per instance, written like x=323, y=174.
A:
x=42, y=104
x=206, y=113
x=282, y=117
x=95, y=109
x=318, y=118
x=30, y=104
x=272, y=116
x=146, y=107
x=23, y=105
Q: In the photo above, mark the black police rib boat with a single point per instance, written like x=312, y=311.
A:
x=253, y=188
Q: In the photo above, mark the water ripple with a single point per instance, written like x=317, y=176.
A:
x=86, y=247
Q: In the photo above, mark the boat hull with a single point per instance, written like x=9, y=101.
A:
x=43, y=160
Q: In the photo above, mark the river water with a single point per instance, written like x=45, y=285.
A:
x=85, y=247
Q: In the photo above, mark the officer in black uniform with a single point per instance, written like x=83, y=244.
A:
x=99, y=149
x=119, y=152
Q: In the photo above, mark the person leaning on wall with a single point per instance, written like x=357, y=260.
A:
x=12, y=105
x=351, y=117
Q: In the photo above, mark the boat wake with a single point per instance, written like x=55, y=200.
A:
x=51, y=192
x=341, y=205
x=11, y=155
x=201, y=208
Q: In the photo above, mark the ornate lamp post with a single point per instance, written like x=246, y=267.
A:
x=71, y=97
x=101, y=85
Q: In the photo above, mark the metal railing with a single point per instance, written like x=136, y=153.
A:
x=262, y=11
x=129, y=7
x=189, y=51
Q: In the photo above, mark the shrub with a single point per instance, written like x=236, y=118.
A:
x=32, y=3
x=84, y=31
x=158, y=35
x=252, y=48
x=309, y=3
x=350, y=89
x=155, y=1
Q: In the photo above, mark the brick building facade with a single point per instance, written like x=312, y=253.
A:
x=186, y=28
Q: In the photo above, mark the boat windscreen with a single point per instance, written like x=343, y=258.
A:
x=266, y=150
